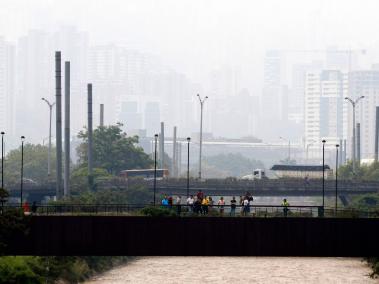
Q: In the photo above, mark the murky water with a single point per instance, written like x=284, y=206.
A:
x=239, y=270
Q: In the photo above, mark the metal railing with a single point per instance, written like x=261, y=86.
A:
x=265, y=211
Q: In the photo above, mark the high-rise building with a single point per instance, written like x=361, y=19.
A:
x=297, y=92
x=325, y=110
x=7, y=87
x=130, y=117
x=152, y=118
x=365, y=83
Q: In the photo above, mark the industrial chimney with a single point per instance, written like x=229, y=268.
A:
x=58, y=135
x=67, y=129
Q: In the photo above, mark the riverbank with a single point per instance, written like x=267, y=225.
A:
x=239, y=269
x=70, y=269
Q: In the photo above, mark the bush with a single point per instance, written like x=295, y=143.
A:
x=158, y=212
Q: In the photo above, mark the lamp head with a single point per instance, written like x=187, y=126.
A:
x=337, y=145
x=188, y=139
x=22, y=138
x=156, y=135
x=2, y=132
x=323, y=141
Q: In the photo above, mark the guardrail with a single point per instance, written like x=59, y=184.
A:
x=265, y=211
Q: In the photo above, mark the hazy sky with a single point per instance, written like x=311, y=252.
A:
x=198, y=35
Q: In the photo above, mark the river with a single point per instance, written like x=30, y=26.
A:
x=218, y=270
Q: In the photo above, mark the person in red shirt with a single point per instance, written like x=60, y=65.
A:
x=26, y=208
x=200, y=195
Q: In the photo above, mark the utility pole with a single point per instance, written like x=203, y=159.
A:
x=50, y=105
x=354, y=103
x=202, y=101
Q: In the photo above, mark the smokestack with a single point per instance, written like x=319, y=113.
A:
x=58, y=111
x=67, y=129
x=90, y=134
x=174, y=167
x=179, y=158
x=161, y=146
x=101, y=115
x=358, y=143
x=377, y=134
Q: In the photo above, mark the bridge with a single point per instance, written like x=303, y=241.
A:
x=197, y=236
x=228, y=187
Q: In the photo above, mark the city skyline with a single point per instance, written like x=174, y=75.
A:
x=141, y=84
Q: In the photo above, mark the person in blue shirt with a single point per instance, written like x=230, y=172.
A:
x=165, y=201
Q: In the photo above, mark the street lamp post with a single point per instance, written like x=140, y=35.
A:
x=336, y=201
x=323, y=174
x=353, y=103
x=49, y=153
x=155, y=165
x=188, y=156
x=201, y=130
x=2, y=159
x=289, y=148
x=22, y=168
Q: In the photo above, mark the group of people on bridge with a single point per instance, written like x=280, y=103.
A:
x=201, y=204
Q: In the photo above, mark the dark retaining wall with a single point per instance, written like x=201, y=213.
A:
x=202, y=236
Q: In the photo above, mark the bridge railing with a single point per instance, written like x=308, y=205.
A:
x=263, y=211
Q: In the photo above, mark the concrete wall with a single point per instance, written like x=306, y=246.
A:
x=203, y=236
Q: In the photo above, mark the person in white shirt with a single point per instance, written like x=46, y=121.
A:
x=190, y=202
x=246, y=205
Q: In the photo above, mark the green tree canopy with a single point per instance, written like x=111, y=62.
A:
x=35, y=164
x=113, y=150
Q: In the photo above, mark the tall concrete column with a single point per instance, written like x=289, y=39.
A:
x=67, y=129
x=90, y=137
x=101, y=115
x=174, y=153
x=161, y=147
x=358, y=143
x=377, y=134
x=179, y=158
x=58, y=125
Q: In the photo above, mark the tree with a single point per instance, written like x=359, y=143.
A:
x=35, y=164
x=113, y=150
